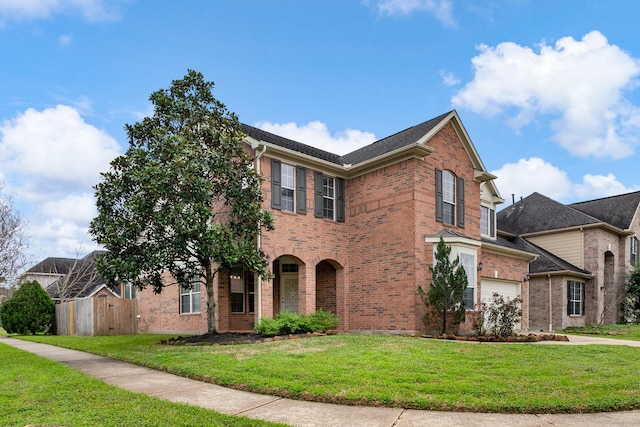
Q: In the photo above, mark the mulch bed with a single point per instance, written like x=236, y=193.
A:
x=236, y=338
x=233, y=338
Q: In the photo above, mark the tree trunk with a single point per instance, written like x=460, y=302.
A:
x=211, y=303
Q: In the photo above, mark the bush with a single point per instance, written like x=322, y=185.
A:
x=291, y=323
x=502, y=315
x=29, y=310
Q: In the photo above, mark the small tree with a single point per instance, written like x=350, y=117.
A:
x=77, y=279
x=446, y=293
x=184, y=199
x=631, y=304
x=12, y=243
x=29, y=310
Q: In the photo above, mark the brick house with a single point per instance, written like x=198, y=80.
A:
x=584, y=250
x=69, y=278
x=355, y=235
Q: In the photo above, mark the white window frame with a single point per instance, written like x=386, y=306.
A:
x=469, y=249
x=485, y=221
x=449, y=197
x=129, y=291
x=328, y=197
x=573, y=301
x=288, y=186
x=192, y=295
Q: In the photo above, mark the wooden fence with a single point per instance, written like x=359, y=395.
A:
x=97, y=316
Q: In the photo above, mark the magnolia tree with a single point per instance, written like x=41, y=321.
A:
x=184, y=198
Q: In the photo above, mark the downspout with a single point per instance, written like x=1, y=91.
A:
x=259, y=244
x=550, y=303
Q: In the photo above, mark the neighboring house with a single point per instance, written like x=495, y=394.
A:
x=584, y=250
x=356, y=234
x=68, y=279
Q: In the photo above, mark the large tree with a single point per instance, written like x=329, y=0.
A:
x=446, y=293
x=184, y=199
x=13, y=243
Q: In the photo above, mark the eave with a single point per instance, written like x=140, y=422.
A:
x=502, y=250
x=603, y=225
x=561, y=273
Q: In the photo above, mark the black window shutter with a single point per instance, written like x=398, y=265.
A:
x=318, y=196
x=582, y=297
x=492, y=222
x=275, y=184
x=438, y=195
x=460, y=202
x=569, y=297
x=340, y=214
x=302, y=189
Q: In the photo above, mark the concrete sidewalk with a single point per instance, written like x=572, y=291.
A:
x=293, y=412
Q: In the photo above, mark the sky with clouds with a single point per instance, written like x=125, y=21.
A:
x=547, y=90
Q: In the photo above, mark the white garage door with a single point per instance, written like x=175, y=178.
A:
x=509, y=290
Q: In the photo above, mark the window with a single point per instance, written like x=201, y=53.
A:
x=287, y=189
x=467, y=256
x=252, y=295
x=634, y=249
x=468, y=262
x=449, y=198
x=328, y=201
x=575, y=298
x=190, y=297
x=289, y=268
x=237, y=291
x=487, y=221
x=328, y=194
x=284, y=179
x=129, y=291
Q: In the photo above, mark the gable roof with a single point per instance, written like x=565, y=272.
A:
x=52, y=265
x=537, y=213
x=82, y=280
x=615, y=210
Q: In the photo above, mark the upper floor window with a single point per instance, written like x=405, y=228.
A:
x=449, y=198
x=634, y=249
x=287, y=187
x=190, y=297
x=487, y=222
x=328, y=193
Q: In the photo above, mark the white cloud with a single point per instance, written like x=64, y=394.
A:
x=579, y=83
x=65, y=40
x=536, y=175
x=317, y=135
x=448, y=78
x=55, y=147
x=50, y=160
x=91, y=10
x=441, y=9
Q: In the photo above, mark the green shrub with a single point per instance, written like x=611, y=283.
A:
x=502, y=315
x=291, y=323
x=29, y=310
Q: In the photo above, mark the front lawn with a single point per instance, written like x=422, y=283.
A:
x=623, y=332
x=400, y=371
x=37, y=391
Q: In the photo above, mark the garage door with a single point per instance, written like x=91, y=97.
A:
x=509, y=290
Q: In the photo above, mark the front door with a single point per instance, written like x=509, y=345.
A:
x=289, y=292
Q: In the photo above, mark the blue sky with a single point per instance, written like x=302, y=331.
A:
x=547, y=90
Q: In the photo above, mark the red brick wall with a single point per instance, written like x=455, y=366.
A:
x=326, y=287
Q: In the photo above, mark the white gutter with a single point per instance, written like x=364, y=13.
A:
x=259, y=241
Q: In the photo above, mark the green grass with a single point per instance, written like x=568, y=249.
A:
x=36, y=391
x=622, y=332
x=400, y=371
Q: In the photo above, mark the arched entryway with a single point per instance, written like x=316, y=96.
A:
x=326, y=279
x=286, y=284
